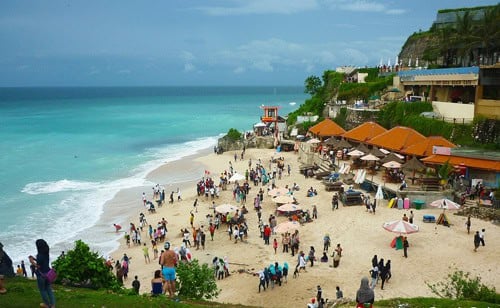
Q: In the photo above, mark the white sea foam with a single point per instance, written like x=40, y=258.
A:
x=81, y=204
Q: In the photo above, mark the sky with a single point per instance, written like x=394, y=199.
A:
x=201, y=42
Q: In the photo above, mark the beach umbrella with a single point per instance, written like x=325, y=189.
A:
x=361, y=147
x=343, y=144
x=400, y=226
x=445, y=204
x=355, y=153
x=375, y=151
x=331, y=141
x=391, y=157
x=226, y=208
x=236, y=177
x=392, y=165
x=260, y=124
x=287, y=226
x=289, y=207
x=313, y=141
x=278, y=192
x=413, y=164
x=283, y=199
x=370, y=157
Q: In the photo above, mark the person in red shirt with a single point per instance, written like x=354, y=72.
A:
x=267, y=234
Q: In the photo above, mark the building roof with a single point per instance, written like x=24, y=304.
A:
x=441, y=71
x=471, y=162
x=364, y=132
x=327, y=128
x=397, y=138
x=424, y=148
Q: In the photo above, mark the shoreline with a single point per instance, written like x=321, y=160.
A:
x=358, y=231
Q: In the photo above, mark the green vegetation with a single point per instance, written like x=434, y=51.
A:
x=460, y=285
x=23, y=292
x=196, y=281
x=465, y=9
x=233, y=134
x=465, y=41
x=83, y=267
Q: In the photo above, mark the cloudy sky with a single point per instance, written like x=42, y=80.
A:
x=201, y=42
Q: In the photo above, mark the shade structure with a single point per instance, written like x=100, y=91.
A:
x=313, y=141
x=278, y=192
x=356, y=153
x=392, y=165
x=331, y=141
x=413, y=164
x=391, y=157
x=326, y=128
x=289, y=207
x=343, y=144
x=375, y=151
x=236, y=177
x=283, y=199
x=445, y=204
x=361, y=147
x=226, y=208
x=400, y=226
x=287, y=226
x=370, y=157
x=260, y=124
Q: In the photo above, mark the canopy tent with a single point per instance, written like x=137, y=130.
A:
x=236, y=177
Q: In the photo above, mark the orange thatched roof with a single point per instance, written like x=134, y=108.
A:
x=364, y=132
x=327, y=128
x=424, y=148
x=397, y=138
x=477, y=163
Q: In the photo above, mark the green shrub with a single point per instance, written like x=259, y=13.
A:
x=196, y=281
x=83, y=267
x=233, y=134
x=460, y=285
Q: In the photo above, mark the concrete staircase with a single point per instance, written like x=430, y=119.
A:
x=470, y=203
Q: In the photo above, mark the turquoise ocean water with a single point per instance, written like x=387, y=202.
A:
x=66, y=151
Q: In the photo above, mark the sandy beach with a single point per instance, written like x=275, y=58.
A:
x=432, y=254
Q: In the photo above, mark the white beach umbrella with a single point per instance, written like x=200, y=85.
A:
x=355, y=153
x=287, y=226
x=313, y=141
x=236, y=177
x=260, y=124
x=379, y=195
x=289, y=207
x=392, y=165
x=226, y=208
x=283, y=199
x=278, y=192
x=400, y=226
x=370, y=157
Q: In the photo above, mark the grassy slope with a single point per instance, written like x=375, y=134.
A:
x=24, y=293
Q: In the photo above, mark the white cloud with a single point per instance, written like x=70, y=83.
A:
x=245, y=7
x=363, y=6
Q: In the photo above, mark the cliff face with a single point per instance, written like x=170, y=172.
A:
x=254, y=142
x=414, y=48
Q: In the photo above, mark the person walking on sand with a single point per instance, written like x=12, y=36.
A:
x=168, y=260
x=467, y=224
x=191, y=218
x=405, y=247
x=195, y=204
x=481, y=236
x=179, y=196
x=477, y=241
x=411, y=217
x=275, y=245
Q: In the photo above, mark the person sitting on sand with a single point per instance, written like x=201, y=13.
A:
x=365, y=295
x=157, y=284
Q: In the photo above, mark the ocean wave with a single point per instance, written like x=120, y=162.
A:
x=38, y=188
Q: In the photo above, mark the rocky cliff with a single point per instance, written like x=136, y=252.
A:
x=227, y=144
x=414, y=48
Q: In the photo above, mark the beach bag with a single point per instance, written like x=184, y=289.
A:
x=50, y=276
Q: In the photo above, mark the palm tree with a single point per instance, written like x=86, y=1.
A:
x=464, y=36
x=487, y=35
